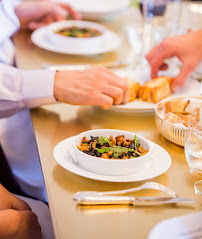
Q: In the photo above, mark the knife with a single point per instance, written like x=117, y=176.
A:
x=93, y=198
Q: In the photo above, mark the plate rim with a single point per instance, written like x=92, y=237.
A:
x=38, y=38
x=84, y=9
x=100, y=177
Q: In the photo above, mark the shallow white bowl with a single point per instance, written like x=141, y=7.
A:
x=109, y=166
x=62, y=41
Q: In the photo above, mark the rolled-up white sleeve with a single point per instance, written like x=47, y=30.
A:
x=24, y=89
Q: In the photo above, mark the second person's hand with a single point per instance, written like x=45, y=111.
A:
x=187, y=48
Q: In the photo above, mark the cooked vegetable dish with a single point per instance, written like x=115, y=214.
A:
x=112, y=148
x=74, y=31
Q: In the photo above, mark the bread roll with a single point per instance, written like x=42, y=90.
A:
x=176, y=106
x=186, y=118
x=156, y=89
x=134, y=89
x=173, y=118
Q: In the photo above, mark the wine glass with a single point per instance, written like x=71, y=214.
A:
x=193, y=146
x=155, y=20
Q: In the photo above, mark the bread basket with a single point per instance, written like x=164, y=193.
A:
x=173, y=132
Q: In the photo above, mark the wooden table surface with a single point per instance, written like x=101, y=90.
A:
x=56, y=122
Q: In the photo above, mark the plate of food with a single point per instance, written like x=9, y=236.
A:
x=172, y=117
x=76, y=37
x=97, y=10
x=112, y=155
x=145, y=94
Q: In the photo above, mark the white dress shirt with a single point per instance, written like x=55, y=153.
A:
x=20, y=90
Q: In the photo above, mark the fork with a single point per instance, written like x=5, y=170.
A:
x=148, y=185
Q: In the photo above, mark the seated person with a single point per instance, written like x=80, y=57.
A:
x=21, y=90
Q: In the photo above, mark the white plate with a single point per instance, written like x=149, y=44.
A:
x=191, y=88
x=110, y=42
x=98, y=8
x=159, y=163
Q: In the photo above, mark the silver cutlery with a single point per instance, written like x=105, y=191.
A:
x=102, y=198
x=148, y=185
x=94, y=199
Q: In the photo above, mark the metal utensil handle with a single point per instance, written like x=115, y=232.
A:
x=104, y=200
x=149, y=185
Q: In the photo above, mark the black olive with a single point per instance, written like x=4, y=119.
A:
x=106, y=144
x=94, y=138
x=121, y=155
x=122, y=144
x=86, y=152
x=91, y=153
x=98, y=154
x=98, y=145
x=132, y=145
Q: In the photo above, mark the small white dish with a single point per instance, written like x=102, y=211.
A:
x=110, y=166
x=111, y=42
x=75, y=42
x=159, y=163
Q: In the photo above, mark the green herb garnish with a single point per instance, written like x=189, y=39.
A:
x=103, y=150
x=103, y=140
x=117, y=150
x=135, y=142
x=139, y=154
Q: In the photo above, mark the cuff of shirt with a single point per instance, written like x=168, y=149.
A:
x=37, y=88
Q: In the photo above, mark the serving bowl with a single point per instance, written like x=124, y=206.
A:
x=62, y=41
x=110, y=166
x=175, y=133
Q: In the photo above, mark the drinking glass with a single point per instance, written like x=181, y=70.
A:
x=158, y=19
x=161, y=18
x=193, y=146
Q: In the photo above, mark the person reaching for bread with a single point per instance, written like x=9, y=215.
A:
x=187, y=48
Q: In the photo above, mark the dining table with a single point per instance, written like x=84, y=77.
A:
x=56, y=122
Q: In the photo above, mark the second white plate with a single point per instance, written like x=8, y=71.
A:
x=110, y=42
x=159, y=163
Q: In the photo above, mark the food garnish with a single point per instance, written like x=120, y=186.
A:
x=81, y=32
x=112, y=148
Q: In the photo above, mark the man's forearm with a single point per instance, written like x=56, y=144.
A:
x=24, y=89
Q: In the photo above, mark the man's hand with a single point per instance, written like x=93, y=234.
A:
x=95, y=86
x=35, y=14
x=19, y=225
x=16, y=218
x=9, y=201
x=187, y=48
